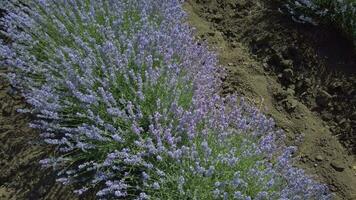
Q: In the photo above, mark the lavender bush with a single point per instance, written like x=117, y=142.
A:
x=130, y=102
x=341, y=13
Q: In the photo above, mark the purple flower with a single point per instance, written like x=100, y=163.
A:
x=155, y=186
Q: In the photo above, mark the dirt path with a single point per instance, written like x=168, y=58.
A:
x=251, y=39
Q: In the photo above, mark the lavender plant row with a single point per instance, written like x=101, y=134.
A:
x=341, y=13
x=130, y=102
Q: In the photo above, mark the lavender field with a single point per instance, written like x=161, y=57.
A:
x=126, y=101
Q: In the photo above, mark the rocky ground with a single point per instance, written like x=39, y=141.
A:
x=302, y=76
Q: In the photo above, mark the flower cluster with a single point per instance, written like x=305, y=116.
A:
x=130, y=102
x=341, y=13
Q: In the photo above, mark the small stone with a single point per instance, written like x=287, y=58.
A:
x=291, y=86
x=6, y=109
x=319, y=158
x=323, y=98
x=290, y=91
x=230, y=64
x=342, y=121
x=327, y=116
x=299, y=84
x=333, y=188
x=353, y=116
x=303, y=159
x=280, y=94
x=308, y=81
x=234, y=44
x=211, y=34
x=337, y=166
x=287, y=63
x=265, y=65
x=291, y=104
x=217, y=17
x=288, y=74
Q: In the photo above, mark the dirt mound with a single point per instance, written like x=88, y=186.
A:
x=302, y=76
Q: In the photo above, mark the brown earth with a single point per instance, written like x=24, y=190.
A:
x=302, y=76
